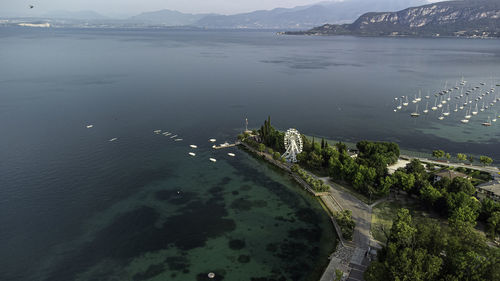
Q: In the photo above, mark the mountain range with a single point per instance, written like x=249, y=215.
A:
x=301, y=17
x=467, y=18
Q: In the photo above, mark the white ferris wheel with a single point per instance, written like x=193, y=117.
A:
x=293, y=145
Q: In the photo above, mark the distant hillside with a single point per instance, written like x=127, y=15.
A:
x=167, y=18
x=305, y=16
x=472, y=18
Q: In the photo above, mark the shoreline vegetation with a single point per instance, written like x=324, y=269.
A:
x=364, y=171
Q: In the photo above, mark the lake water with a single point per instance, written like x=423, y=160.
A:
x=74, y=206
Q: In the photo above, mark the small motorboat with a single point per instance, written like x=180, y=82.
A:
x=231, y=154
x=212, y=140
x=192, y=154
x=178, y=140
x=213, y=159
x=89, y=126
x=193, y=146
x=113, y=139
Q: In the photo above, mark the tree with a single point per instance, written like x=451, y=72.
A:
x=415, y=167
x=494, y=224
x=461, y=185
x=338, y=275
x=471, y=159
x=346, y=223
x=262, y=147
x=448, y=156
x=485, y=160
x=461, y=157
x=405, y=181
x=341, y=147
x=426, y=251
x=438, y=154
x=463, y=210
x=429, y=194
x=402, y=231
x=276, y=156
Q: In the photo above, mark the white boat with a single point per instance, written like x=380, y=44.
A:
x=441, y=117
x=426, y=110
x=173, y=136
x=415, y=114
x=400, y=105
x=178, y=140
x=89, y=126
x=468, y=116
x=487, y=124
x=113, y=139
x=231, y=154
x=165, y=133
x=193, y=146
x=482, y=108
x=494, y=117
x=475, y=111
x=419, y=96
x=157, y=131
x=434, y=108
x=212, y=140
x=406, y=101
x=465, y=121
x=447, y=111
x=456, y=108
x=192, y=153
x=213, y=159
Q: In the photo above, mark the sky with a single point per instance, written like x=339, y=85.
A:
x=133, y=7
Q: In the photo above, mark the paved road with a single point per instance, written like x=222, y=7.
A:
x=489, y=169
x=352, y=257
x=361, y=214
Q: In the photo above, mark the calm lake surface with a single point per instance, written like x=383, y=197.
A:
x=75, y=206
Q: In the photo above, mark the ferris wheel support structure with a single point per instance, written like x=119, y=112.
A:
x=293, y=145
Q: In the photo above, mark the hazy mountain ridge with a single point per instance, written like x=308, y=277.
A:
x=300, y=17
x=304, y=16
x=167, y=17
x=472, y=18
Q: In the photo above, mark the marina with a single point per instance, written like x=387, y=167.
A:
x=459, y=102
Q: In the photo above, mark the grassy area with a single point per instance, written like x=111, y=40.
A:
x=384, y=213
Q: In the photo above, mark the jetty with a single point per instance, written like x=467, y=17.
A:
x=226, y=145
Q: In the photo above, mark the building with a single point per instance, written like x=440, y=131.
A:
x=448, y=174
x=489, y=190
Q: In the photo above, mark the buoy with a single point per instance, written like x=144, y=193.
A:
x=211, y=275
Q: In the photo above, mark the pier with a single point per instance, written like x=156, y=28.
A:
x=226, y=145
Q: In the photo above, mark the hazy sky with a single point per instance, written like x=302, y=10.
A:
x=132, y=7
